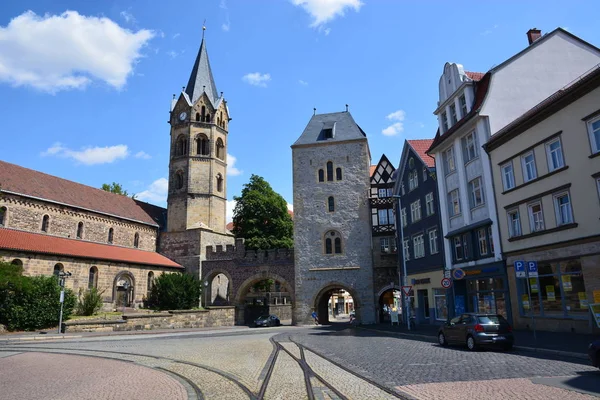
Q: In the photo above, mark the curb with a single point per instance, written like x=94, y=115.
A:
x=38, y=338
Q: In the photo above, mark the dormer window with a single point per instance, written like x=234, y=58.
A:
x=328, y=133
x=453, y=119
x=463, y=105
x=444, y=122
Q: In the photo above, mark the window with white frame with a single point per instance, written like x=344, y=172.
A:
x=444, y=122
x=491, y=240
x=390, y=192
x=562, y=205
x=536, y=217
x=483, y=243
x=463, y=105
x=469, y=144
x=406, y=250
x=476, y=192
x=448, y=157
x=508, y=176
x=594, y=132
x=425, y=173
x=403, y=215
x=415, y=211
x=555, y=155
x=419, y=246
x=429, y=207
x=391, y=216
x=382, y=193
x=383, y=217
x=514, y=223
x=453, y=203
x=385, y=245
x=529, y=170
x=459, y=253
x=413, y=180
x=453, y=118
x=433, y=241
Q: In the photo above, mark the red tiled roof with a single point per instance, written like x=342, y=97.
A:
x=420, y=146
x=28, y=182
x=372, y=170
x=476, y=76
x=11, y=239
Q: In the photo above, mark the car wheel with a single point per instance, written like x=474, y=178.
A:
x=471, y=345
x=442, y=339
x=508, y=347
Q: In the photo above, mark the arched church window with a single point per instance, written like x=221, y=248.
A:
x=150, y=282
x=207, y=118
x=203, y=112
x=58, y=268
x=328, y=246
x=220, y=149
x=321, y=175
x=80, y=230
x=17, y=262
x=331, y=204
x=93, y=278
x=111, y=233
x=202, y=144
x=333, y=242
x=179, y=180
x=197, y=117
x=329, y=171
x=338, y=246
x=338, y=174
x=3, y=212
x=136, y=240
x=45, y=223
x=181, y=146
x=219, y=183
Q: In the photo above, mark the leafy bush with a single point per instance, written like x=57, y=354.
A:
x=30, y=303
x=89, y=302
x=174, y=291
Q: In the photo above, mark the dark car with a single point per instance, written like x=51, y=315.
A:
x=475, y=330
x=267, y=320
x=594, y=353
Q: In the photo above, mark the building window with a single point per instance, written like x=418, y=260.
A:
x=136, y=240
x=444, y=122
x=383, y=217
x=382, y=193
x=483, y=243
x=45, y=223
x=406, y=250
x=385, y=245
x=419, y=246
x=459, y=252
x=328, y=248
x=433, y=241
x=469, y=144
x=58, y=268
x=403, y=215
x=562, y=205
x=179, y=180
x=476, y=192
x=111, y=233
x=415, y=211
x=321, y=175
x=448, y=157
x=429, y=206
x=150, y=282
x=555, y=155
x=453, y=203
x=197, y=117
x=202, y=145
x=329, y=171
x=338, y=174
x=93, y=278
x=17, y=262
x=594, y=132
x=80, y=230
x=441, y=308
x=536, y=217
x=508, y=176
x=333, y=243
x=491, y=237
x=338, y=246
x=181, y=146
x=331, y=204
x=529, y=170
x=514, y=223
x=3, y=212
x=219, y=183
x=413, y=180
x=220, y=149
x=453, y=118
x=463, y=105
x=425, y=173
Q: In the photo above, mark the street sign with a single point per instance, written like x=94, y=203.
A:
x=407, y=290
x=458, y=274
x=520, y=269
x=447, y=273
x=446, y=283
x=532, y=269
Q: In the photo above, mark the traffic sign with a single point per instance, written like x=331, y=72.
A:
x=407, y=290
x=447, y=273
x=520, y=269
x=446, y=283
x=458, y=274
x=532, y=269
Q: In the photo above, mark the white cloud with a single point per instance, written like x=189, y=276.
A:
x=172, y=54
x=396, y=116
x=128, y=17
x=303, y=83
x=231, y=169
x=67, y=51
x=393, y=129
x=156, y=192
x=257, y=79
x=226, y=26
x=229, y=210
x=89, y=155
x=143, y=155
x=290, y=207
x=323, y=11
x=175, y=36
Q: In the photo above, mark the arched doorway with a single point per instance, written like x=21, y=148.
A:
x=124, y=289
x=217, y=289
x=262, y=294
x=334, y=303
x=390, y=300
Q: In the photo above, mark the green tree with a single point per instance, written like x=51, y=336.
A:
x=261, y=217
x=114, y=188
x=174, y=291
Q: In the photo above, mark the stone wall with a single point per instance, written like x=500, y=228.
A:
x=283, y=311
x=27, y=214
x=177, y=319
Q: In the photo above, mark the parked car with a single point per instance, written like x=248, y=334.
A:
x=475, y=330
x=267, y=320
x=594, y=353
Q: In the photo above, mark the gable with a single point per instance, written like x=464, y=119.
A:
x=383, y=172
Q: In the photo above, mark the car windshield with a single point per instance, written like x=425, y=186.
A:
x=263, y=317
x=491, y=319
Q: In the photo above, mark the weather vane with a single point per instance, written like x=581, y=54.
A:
x=203, y=28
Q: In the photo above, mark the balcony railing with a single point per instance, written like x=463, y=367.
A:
x=384, y=201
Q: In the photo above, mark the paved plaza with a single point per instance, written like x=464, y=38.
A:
x=282, y=363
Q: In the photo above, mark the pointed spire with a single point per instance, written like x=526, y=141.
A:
x=201, y=78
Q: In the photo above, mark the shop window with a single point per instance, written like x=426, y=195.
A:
x=441, y=307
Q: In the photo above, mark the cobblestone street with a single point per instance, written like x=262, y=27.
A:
x=282, y=363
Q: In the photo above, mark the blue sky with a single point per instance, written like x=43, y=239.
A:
x=85, y=95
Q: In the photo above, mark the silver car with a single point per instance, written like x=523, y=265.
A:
x=475, y=330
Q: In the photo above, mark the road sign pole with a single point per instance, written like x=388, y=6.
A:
x=528, y=284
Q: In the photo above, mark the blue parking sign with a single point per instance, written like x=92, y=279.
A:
x=532, y=268
x=520, y=269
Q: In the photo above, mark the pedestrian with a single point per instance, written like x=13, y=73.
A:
x=315, y=317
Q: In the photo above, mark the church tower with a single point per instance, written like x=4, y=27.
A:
x=199, y=120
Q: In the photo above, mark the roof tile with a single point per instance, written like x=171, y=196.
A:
x=420, y=146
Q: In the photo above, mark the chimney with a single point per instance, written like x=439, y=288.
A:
x=533, y=35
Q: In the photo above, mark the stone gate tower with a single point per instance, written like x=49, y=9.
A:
x=332, y=231
x=197, y=197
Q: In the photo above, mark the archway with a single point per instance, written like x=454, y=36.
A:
x=334, y=301
x=264, y=293
x=389, y=300
x=217, y=289
x=123, y=289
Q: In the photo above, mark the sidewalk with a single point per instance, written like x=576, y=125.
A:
x=560, y=343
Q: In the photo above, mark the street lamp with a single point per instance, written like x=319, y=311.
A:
x=126, y=287
x=61, y=281
x=403, y=282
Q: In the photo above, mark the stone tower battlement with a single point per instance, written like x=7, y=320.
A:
x=239, y=253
